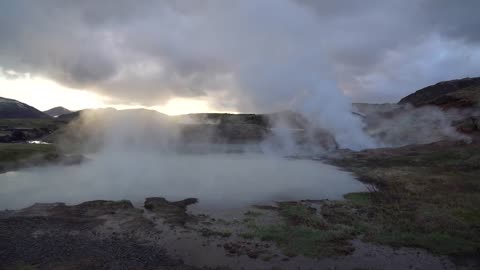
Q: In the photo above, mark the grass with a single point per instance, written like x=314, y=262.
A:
x=419, y=196
x=303, y=232
x=308, y=241
x=21, y=266
x=20, y=130
x=12, y=152
x=426, y=197
x=31, y=123
x=359, y=198
x=13, y=155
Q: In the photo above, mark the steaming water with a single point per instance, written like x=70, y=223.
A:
x=218, y=180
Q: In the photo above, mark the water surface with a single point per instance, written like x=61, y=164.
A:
x=218, y=180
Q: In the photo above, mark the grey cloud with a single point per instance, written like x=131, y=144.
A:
x=260, y=54
x=45, y=40
x=457, y=19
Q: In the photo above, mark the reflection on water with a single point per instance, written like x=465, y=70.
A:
x=220, y=180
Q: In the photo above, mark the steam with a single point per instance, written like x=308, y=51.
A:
x=285, y=133
x=135, y=154
x=248, y=56
x=393, y=125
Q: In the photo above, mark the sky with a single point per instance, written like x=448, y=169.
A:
x=187, y=56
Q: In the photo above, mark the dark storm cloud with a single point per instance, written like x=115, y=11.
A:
x=252, y=54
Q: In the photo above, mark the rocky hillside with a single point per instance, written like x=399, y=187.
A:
x=447, y=94
x=10, y=108
x=57, y=111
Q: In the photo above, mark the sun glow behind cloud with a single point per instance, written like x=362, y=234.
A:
x=44, y=94
x=176, y=106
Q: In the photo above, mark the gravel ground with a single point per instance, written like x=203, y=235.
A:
x=62, y=243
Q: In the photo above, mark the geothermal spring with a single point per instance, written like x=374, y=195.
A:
x=218, y=180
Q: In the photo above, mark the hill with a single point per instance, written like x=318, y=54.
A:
x=57, y=111
x=13, y=109
x=447, y=94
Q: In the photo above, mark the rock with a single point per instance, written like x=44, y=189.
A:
x=253, y=254
x=86, y=209
x=101, y=207
x=186, y=202
x=162, y=205
x=172, y=212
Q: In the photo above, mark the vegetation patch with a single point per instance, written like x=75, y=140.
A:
x=21, y=266
x=14, y=156
x=303, y=232
x=424, y=196
x=308, y=241
x=14, y=152
x=360, y=198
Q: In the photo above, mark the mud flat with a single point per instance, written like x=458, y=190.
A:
x=163, y=235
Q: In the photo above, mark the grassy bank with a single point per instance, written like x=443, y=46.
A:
x=18, y=155
x=423, y=196
x=420, y=196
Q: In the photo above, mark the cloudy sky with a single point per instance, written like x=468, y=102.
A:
x=217, y=55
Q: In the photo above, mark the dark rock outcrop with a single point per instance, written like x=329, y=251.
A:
x=160, y=204
x=173, y=212
x=86, y=209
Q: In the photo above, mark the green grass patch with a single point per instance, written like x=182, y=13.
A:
x=308, y=241
x=13, y=152
x=21, y=266
x=299, y=214
x=425, y=196
x=359, y=198
x=31, y=123
x=302, y=232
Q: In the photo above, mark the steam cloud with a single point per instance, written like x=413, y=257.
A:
x=258, y=56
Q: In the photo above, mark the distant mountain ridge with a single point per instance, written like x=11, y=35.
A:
x=10, y=108
x=57, y=111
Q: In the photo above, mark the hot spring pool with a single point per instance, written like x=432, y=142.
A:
x=217, y=180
